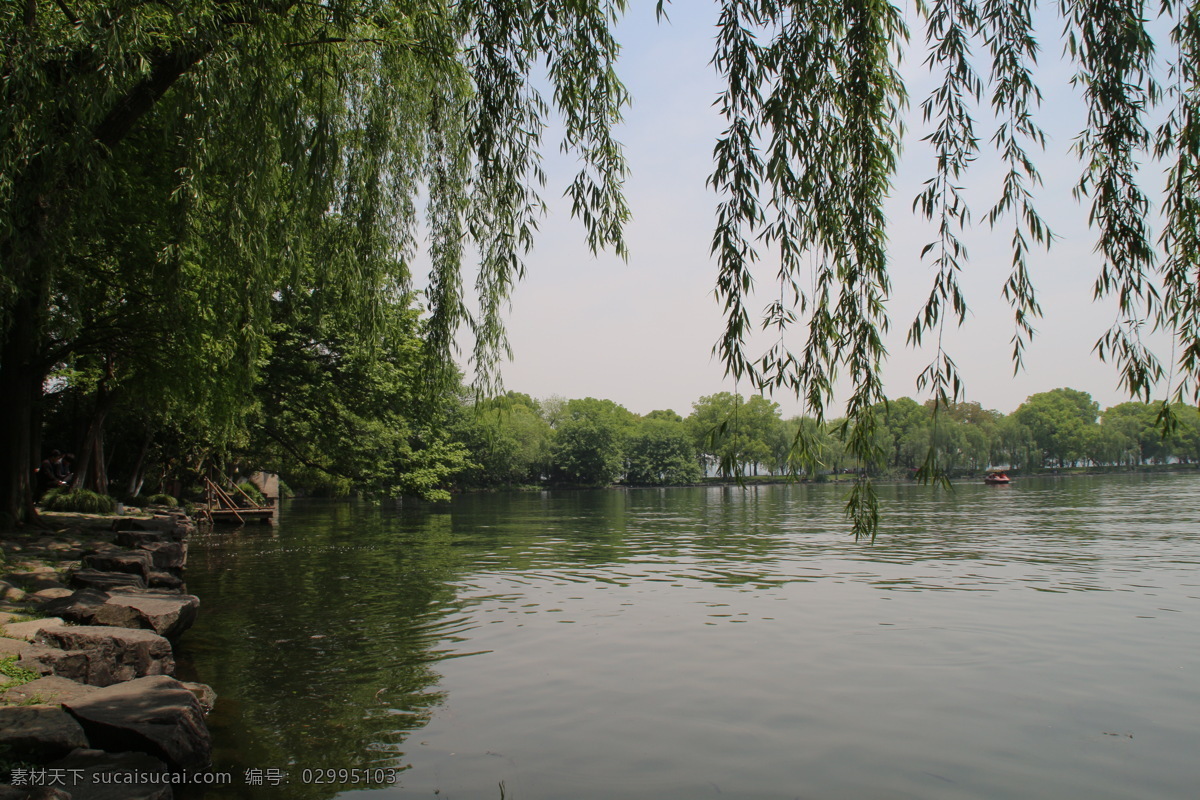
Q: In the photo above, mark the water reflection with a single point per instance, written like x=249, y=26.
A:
x=514, y=635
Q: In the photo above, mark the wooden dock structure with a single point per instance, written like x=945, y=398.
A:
x=222, y=509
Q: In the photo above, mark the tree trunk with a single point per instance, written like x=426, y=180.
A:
x=29, y=265
x=25, y=248
x=21, y=378
x=138, y=476
x=92, y=472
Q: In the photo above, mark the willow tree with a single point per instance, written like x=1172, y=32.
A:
x=274, y=116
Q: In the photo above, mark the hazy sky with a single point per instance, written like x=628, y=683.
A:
x=641, y=332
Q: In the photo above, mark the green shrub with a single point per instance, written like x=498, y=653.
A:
x=255, y=494
x=162, y=500
x=81, y=501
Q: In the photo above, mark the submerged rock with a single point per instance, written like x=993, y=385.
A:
x=204, y=693
x=102, y=776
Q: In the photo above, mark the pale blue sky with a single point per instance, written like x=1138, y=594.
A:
x=641, y=332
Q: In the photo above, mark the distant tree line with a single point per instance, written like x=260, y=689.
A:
x=337, y=416
x=515, y=440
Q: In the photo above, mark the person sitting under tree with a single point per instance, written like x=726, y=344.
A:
x=48, y=475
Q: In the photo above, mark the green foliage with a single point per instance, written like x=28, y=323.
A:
x=162, y=500
x=351, y=411
x=659, y=452
x=508, y=440
x=589, y=442
x=803, y=447
x=12, y=675
x=1058, y=422
x=736, y=434
x=595, y=442
x=250, y=490
x=81, y=501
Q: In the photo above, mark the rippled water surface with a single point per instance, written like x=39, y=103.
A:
x=1040, y=640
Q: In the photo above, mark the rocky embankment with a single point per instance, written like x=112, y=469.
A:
x=103, y=718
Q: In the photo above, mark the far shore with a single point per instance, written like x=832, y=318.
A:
x=849, y=477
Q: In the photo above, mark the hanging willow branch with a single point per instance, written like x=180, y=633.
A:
x=1115, y=55
x=811, y=104
x=1179, y=135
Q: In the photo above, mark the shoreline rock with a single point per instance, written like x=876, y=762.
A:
x=167, y=614
x=105, y=698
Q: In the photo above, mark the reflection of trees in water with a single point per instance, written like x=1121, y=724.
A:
x=321, y=639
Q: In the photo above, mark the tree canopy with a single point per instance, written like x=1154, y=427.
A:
x=286, y=147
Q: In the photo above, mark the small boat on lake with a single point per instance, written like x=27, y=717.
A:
x=997, y=478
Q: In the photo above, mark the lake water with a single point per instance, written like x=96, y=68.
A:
x=1040, y=640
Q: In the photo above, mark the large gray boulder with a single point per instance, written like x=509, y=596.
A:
x=102, y=776
x=134, y=562
x=29, y=629
x=39, y=732
x=84, y=607
x=166, y=555
x=134, y=539
x=34, y=581
x=112, y=654
x=51, y=689
x=12, y=647
x=107, y=581
x=166, y=552
x=43, y=596
x=173, y=526
x=167, y=615
x=54, y=661
x=165, y=579
x=155, y=715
